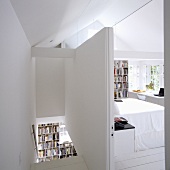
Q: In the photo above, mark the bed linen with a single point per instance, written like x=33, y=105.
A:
x=148, y=119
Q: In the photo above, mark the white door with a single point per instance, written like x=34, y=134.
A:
x=110, y=117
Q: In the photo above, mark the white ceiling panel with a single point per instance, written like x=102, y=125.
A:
x=142, y=31
x=42, y=18
x=56, y=20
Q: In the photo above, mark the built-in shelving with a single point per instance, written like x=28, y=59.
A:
x=53, y=143
x=120, y=79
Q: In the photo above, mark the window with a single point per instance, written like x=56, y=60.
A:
x=146, y=76
x=153, y=77
x=133, y=77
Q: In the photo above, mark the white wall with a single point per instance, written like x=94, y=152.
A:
x=167, y=82
x=87, y=100
x=16, y=93
x=50, y=87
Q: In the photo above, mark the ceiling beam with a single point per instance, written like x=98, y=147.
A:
x=52, y=52
x=138, y=55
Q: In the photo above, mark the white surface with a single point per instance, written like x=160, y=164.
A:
x=167, y=81
x=134, y=106
x=149, y=97
x=72, y=163
x=155, y=99
x=151, y=162
x=86, y=100
x=57, y=20
x=138, y=55
x=44, y=21
x=157, y=165
x=45, y=120
x=52, y=52
x=124, y=141
x=140, y=154
x=149, y=159
x=132, y=95
x=148, y=120
x=141, y=97
x=146, y=35
x=16, y=93
x=50, y=87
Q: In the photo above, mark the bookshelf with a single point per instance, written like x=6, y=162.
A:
x=54, y=142
x=67, y=148
x=120, y=79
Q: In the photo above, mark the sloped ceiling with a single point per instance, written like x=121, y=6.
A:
x=56, y=20
x=42, y=18
x=142, y=31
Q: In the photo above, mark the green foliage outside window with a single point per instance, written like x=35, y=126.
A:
x=155, y=71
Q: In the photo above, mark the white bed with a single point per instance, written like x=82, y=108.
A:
x=148, y=146
x=148, y=119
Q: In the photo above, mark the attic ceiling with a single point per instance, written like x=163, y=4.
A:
x=51, y=22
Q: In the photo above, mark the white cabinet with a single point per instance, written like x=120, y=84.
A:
x=132, y=95
x=155, y=100
x=148, y=97
x=124, y=141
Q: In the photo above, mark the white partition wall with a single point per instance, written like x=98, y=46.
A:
x=49, y=87
x=88, y=98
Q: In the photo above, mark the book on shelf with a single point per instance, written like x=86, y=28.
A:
x=49, y=142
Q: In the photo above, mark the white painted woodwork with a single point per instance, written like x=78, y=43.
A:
x=72, y=163
x=50, y=87
x=52, y=52
x=148, y=159
x=140, y=161
x=42, y=19
x=88, y=100
x=161, y=102
x=155, y=99
x=144, y=153
x=167, y=81
x=132, y=95
x=45, y=120
x=158, y=165
x=138, y=55
x=124, y=141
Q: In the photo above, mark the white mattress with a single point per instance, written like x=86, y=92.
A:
x=148, y=120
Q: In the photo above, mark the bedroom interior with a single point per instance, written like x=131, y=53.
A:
x=148, y=159
x=143, y=142
x=63, y=90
